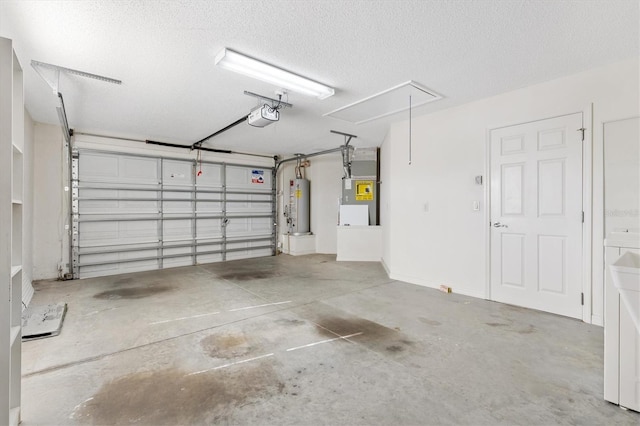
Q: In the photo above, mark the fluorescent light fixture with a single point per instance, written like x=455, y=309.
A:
x=234, y=61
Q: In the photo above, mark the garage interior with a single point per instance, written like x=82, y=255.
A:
x=398, y=213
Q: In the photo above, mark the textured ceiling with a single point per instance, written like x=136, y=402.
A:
x=172, y=91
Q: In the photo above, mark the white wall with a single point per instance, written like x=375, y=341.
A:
x=27, y=210
x=385, y=200
x=48, y=212
x=622, y=175
x=325, y=175
x=446, y=242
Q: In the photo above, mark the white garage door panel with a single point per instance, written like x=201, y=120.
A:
x=242, y=227
x=117, y=268
x=96, y=207
x=238, y=177
x=211, y=258
x=177, y=173
x=179, y=256
x=134, y=213
x=248, y=178
x=138, y=170
x=176, y=207
x=99, y=167
x=209, y=207
x=175, y=262
x=103, y=167
x=109, y=233
x=115, y=257
x=209, y=228
x=248, y=207
x=171, y=252
x=236, y=251
x=177, y=230
x=211, y=175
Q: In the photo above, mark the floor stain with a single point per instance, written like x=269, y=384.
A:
x=496, y=324
x=247, y=275
x=132, y=292
x=374, y=336
x=226, y=346
x=170, y=397
x=123, y=281
x=530, y=329
x=429, y=321
x=290, y=322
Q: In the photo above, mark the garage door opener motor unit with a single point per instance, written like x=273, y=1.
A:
x=263, y=116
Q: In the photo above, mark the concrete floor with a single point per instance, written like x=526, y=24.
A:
x=305, y=340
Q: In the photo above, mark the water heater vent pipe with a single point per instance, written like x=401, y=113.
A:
x=346, y=153
x=346, y=157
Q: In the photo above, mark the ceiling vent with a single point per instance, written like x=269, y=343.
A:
x=387, y=102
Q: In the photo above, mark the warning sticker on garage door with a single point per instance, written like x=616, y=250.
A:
x=257, y=176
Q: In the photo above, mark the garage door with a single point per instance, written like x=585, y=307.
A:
x=136, y=213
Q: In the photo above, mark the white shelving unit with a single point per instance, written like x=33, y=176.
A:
x=11, y=197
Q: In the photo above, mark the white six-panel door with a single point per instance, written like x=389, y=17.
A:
x=536, y=215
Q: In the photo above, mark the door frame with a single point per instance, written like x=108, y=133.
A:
x=587, y=205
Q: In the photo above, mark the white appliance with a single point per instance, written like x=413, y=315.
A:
x=621, y=336
x=263, y=116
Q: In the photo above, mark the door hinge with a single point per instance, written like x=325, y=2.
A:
x=582, y=130
x=582, y=217
x=582, y=299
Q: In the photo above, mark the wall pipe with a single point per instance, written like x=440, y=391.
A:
x=328, y=151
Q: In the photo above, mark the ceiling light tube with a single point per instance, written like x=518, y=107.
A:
x=234, y=61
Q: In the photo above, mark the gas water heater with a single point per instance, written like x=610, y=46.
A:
x=298, y=215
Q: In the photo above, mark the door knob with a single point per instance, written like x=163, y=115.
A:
x=499, y=225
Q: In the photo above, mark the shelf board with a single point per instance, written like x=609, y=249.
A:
x=15, y=331
x=14, y=416
x=15, y=270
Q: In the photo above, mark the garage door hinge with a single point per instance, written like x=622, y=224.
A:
x=582, y=217
x=582, y=130
x=582, y=299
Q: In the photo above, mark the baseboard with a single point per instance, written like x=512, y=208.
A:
x=425, y=283
x=355, y=259
x=386, y=267
x=597, y=320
